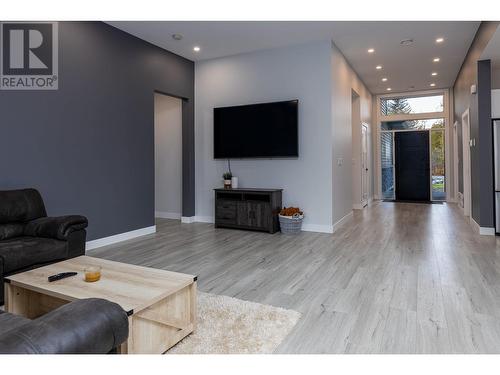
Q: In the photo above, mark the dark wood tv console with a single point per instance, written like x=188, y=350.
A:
x=254, y=209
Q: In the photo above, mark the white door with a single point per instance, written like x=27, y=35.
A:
x=364, y=165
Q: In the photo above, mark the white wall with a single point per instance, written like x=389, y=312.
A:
x=495, y=103
x=299, y=72
x=168, y=156
x=343, y=81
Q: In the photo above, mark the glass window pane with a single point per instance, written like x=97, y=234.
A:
x=422, y=104
x=413, y=124
x=437, y=163
x=386, y=144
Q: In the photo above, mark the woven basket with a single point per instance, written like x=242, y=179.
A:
x=291, y=224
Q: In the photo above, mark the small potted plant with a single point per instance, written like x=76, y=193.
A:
x=227, y=176
x=291, y=220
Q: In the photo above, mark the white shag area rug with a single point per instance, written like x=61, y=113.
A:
x=228, y=325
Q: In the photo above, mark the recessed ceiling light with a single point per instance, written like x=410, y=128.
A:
x=434, y=74
x=384, y=79
x=371, y=50
x=432, y=85
x=378, y=67
x=196, y=49
x=406, y=42
x=177, y=36
x=388, y=89
x=439, y=40
x=436, y=59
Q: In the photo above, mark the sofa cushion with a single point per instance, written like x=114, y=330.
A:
x=20, y=206
x=10, y=321
x=11, y=230
x=23, y=252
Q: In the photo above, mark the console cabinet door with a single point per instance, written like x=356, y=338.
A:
x=254, y=214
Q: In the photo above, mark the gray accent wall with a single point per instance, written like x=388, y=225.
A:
x=89, y=146
x=477, y=73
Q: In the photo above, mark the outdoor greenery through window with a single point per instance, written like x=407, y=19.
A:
x=420, y=104
x=413, y=124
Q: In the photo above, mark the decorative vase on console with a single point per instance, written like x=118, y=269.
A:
x=227, y=180
x=234, y=182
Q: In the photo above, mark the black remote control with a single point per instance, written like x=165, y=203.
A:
x=61, y=275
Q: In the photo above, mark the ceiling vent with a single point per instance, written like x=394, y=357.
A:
x=406, y=42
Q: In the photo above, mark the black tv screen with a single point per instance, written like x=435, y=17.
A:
x=256, y=131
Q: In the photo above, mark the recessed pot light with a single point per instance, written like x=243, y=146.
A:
x=384, y=79
x=371, y=50
x=176, y=36
x=196, y=49
x=434, y=74
x=432, y=85
x=436, y=59
x=378, y=67
x=439, y=40
x=388, y=89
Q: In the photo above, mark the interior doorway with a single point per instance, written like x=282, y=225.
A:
x=466, y=161
x=412, y=166
x=168, y=156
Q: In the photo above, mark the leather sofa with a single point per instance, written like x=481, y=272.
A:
x=29, y=239
x=87, y=326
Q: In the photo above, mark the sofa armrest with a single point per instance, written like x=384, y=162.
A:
x=55, y=227
x=87, y=326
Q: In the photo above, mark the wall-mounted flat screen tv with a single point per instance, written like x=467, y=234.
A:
x=266, y=130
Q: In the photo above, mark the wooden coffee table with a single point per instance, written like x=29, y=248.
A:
x=161, y=305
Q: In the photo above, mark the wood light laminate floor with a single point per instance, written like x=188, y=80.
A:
x=397, y=278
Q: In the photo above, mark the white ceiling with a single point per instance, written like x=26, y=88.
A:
x=404, y=66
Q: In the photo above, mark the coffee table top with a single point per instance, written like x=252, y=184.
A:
x=134, y=288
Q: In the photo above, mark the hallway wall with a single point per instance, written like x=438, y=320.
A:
x=481, y=158
x=345, y=158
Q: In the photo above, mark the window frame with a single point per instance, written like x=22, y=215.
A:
x=379, y=117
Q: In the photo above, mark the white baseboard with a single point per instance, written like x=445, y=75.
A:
x=487, y=231
x=204, y=219
x=317, y=228
x=305, y=227
x=187, y=219
x=484, y=231
x=168, y=215
x=94, y=244
x=359, y=206
x=342, y=221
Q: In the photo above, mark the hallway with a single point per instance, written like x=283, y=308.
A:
x=397, y=278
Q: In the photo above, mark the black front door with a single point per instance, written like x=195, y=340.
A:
x=412, y=166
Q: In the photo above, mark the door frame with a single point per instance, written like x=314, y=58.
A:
x=466, y=165
x=365, y=177
x=445, y=114
x=455, y=161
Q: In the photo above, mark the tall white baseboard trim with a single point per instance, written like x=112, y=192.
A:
x=317, y=228
x=168, y=215
x=204, y=219
x=342, y=221
x=305, y=227
x=94, y=244
x=187, y=219
x=485, y=231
